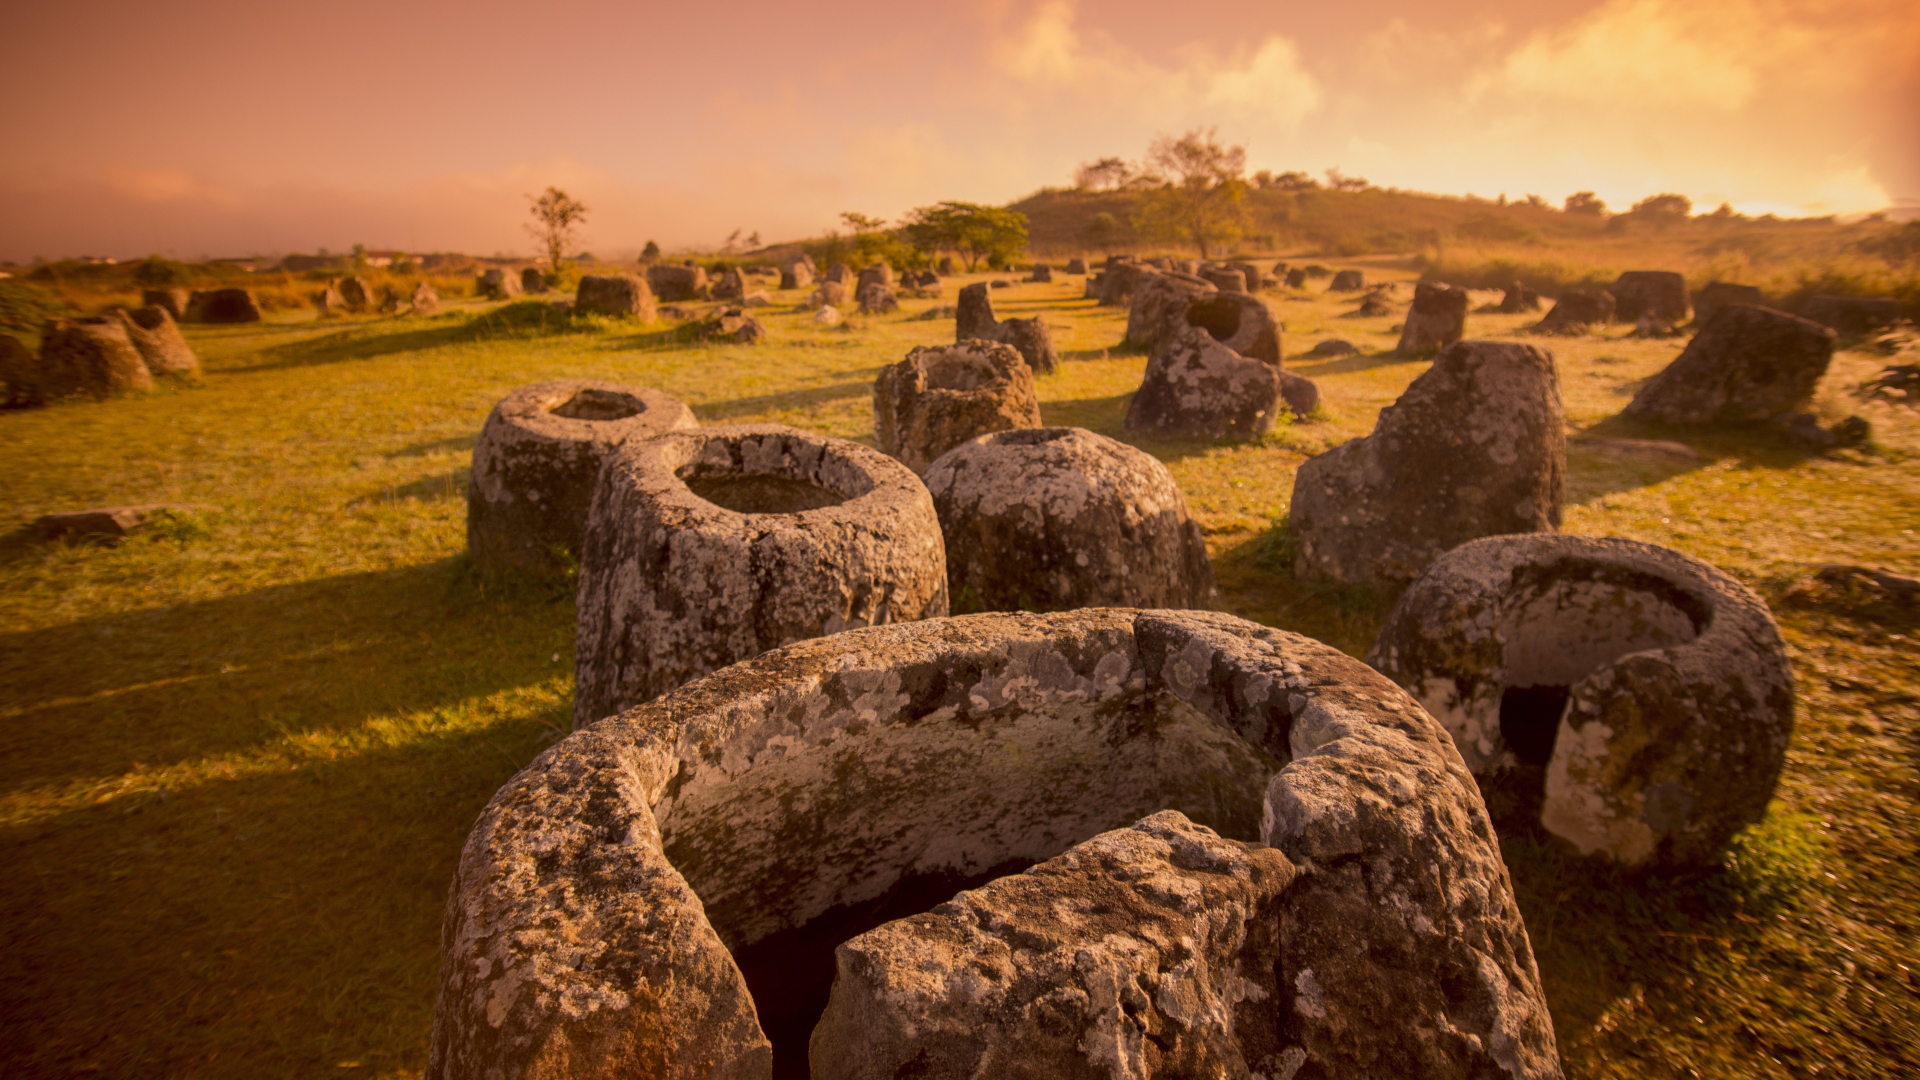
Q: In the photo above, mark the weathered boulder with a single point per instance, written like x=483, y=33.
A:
x=328, y=301
x=537, y=457
x=1255, y=279
x=1347, y=281
x=1076, y=266
x=357, y=294
x=1159, y=305
x=1296, y=278
x=1719, y=294
x=1051, y=519
x=1519, y=298
x=1577, y=311
x=20, y=382
x=731, y=285
x=1031, y=338
x=532, y=280
x=796, y=276
x=624, y=296
x=881, y=273
x=1224, y=279
x=222, y=306
x=827, y=316
x=829, y=294
x=1332, y=347
x=678, y=283
x=497, y=283
x=938, y=398
x=157, y=338
x=1476, y=446
x=1119, y=280
x=425, y=301
x=1301, y=394
x=662, y=892
x=924, y=284
x=1749, y=363
x=1197, y=388
x=111, y=522
x=92, y=356
x=877, y=298
x=1041, y=273
x=841, y=273
x=1437, y=319
x=1852, y=315
x=945, y=266
x=711, y=546
x=1659, y=293
x=731, y=326
x=1630, y=699
x=1239, y=321
x=174, y=300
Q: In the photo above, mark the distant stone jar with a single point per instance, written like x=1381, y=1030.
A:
x=1050, y=519
x=159, y=341
x=623, y=296
x=532, y=280
x=92, y=356
x=711, y=546
x=1197, y=388
x=223, y=306
x=664, y=893
x=497, y=283
x=1347, y=281
x=1437, y=319
x=1576, y=312
x=1719, y=294
x=1749, y=363
x=938, y=398
x=1632, y=700
x=536, y=460
x=1661, y=294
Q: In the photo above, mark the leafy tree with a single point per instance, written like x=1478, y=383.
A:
x=976, y=232
x=1294, y=181
x=155, y=272
x=1102, y=231
x=1106, y=174
x=650, y=252
x=1663, y=209
x=1535, y=200
x=556, y=223
x=1200, y=192
x=1339, y=182
x=1585, y=202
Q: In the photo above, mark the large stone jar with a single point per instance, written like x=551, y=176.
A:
x=939, y=397
x=670, y=892
x=711, y=546
x=538, y=456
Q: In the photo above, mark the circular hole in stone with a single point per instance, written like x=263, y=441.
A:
x=759, y=492
x=962, y=373
x=591, y=404
x=1219, y=316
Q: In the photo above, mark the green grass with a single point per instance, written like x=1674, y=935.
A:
x=238, y=756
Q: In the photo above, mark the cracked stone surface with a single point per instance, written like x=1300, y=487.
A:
x=606, y=914
x=1630, y=699
x=1197, y=388
x=1476, y=446
x=1747, y=363
x=538, y=455
x=711, y=546
x=938, y=398
x=1049, y=519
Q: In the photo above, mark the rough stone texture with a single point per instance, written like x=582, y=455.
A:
x=1347, y=281
x=1476, y=446
x=1852, y=315
x=1301, y=394
x=92, y=357
x=731, y=285
x=1159, y=305
x=538, y=455
x=878, y=272
x=1237, y=320
x=174, y=300
x=425, y=301
x=110, y=522
x=19, y=373
x=357, y=294
x=1749, y=363
x=945, y=266
x=1719, y=294
x=1042, y=273
x=1630, y=699
x=1332, y=347
x=1437, y=319
x=973, y=321
x=1050, y=519
x=828, y=315
x=1197, y=388
x=678, y=283
x=222, y=306
x=877, y=298
x=731, y=326
x=712, y=546
x=622, y=295
x=1119, y=281
x=1659, y=293
x=588, y=927
x=1076, y=266
x=938, y=398
x=1296, y=278
x=1576, y=312
x=1255, y=279
x=1372, y=306
x=532, y=280
x=1519, y=298
x=1224, y=279
x=829, y=294
x=841, y=273
x=329, y=301
x=162, y=348
x=796, y=276
x=498, y=283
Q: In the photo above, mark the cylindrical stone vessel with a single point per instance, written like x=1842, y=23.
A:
x=1632, y=700
x=1050, y=519
x=681, y=891
x=939, y=397
x=711, y=546
x=538, y=456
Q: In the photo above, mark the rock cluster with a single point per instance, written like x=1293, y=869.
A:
x=1437, y=319
x=1630, y=699
x=938, y=398
x=974, y=321
x=730, y=326
x=1476, y=446
x=1051, y=519
x=1748, y=363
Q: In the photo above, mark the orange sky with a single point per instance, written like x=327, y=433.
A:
x=230, y=127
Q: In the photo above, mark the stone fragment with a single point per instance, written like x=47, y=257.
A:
x=877, y=298
x=1476, y=446
x=712, y=546
x=878, y=273
x=1749, y=363
x=1031, y=338
x=1852, y=315
x=1719, y=294
x=1301, y=394
x=1332, y=347
x=829, y=294
x=1224, y=279
x=1255, y=279
x=1197, y=388
x=828, y=315
x=623, y=296
x=357, y=294
x=111, y=522
x=841, y=273
x=1159, y=305
x=678, y=283
x=222, y=306
x=1346, y=281
x=731, y=326
x=1239, y=321
x=174, y=300
x=425, y=301
x=945, y=266
x=497, y=283
x=92, y=356
x=1041, y=273
x=536, y=460
x=1631, y=700
x=796, y=276
x=1050, y=519
x=1659, y=293
x=938, y=398
x=159, y=342
x=1076, y=266
x=1577, y=311
x=1296, y=278
x=1437, y=319
x=731, y=285
x=1519, y=298
x=532, y=280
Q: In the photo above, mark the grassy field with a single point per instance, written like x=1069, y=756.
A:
x=238, y=755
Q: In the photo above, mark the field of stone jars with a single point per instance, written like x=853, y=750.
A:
x=307, y=770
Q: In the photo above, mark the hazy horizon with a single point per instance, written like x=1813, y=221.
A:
x=232, y=129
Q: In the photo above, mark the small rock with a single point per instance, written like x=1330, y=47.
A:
x=1297, y=278
x=1346, y=281
x=111, y=522
x=497, y=283
x=731, y=326
x=1576, y=312
x=425, y=300
x=1332, y=347
x=828, y=315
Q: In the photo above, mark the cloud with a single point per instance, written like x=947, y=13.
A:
x=164, y=185
x=1648, y=52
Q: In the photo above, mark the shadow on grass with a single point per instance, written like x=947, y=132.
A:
x=452, y=443
x=1103, y=415
x=370, y=340
x=1257, y=582
x=102, y=696
x=1342, y=365
x=792, y=399
x=441, y=485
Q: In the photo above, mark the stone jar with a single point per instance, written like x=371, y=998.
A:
x=623, y=296
x=1749, y=363
x=1197, y=388
x=939, y=397
x=162, y=347
x=1437, y=319
x=92, y=356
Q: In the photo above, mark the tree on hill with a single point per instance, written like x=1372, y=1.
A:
x=1663, y=209
x=556, y=223
x=1106, y=174
x=1102, y=231
x=1585, y=202
x=976, y=232
x=1199, y=195
x=650, y=252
